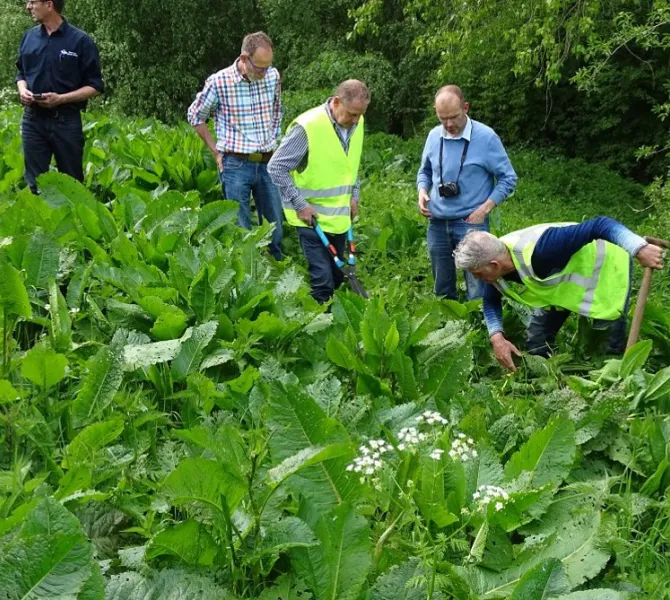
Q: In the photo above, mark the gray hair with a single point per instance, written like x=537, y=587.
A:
x=353, y=90
x=477, y=249
x=254, y=41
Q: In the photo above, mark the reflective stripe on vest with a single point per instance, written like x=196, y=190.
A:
x=521, y=245
x=328, y=179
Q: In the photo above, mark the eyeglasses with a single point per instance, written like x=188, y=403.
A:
x=259, y=70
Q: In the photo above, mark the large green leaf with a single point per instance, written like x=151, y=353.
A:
x=204, y=481
x=13, y=294
x=297, y=423
x=659, y=386
x=286, y=588
x=40, y=260
x=50, y=558
x=403, y=368
x=445, y=378
x=548, y=454
x=201, y=295
x=61, y=324
x=189, y=541
x=440, y=490
x=84, y=447
x=102, y=382
x=168, y=584
x=635, y=358
x=44, y=367
x=546, y=580
x=191, y=351
x=306, y=458
x=595, y=594
x=337, y=568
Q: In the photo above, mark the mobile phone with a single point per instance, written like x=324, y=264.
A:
x=38, y=96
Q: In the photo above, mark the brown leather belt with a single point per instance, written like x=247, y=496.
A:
x=259, y=157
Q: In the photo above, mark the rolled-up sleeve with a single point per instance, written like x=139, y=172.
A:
x=501, y=167
x=424, y=177
x=90, y=66
x=204, y=104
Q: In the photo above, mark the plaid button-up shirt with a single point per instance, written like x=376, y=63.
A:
x=247, y=114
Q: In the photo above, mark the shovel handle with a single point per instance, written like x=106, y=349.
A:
x=639, y=307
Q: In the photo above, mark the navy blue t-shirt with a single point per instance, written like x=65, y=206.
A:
x=61, y=62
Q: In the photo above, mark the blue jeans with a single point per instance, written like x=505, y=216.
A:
x=443, y=237
x=52, y=133
x=241, y=178
x=324, y=275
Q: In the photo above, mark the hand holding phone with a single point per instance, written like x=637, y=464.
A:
x=38, y=96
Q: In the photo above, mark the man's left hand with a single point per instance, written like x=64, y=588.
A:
x=50, y=100
x=477, y=217
x=354, y=208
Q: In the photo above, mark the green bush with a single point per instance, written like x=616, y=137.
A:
x=15, y=21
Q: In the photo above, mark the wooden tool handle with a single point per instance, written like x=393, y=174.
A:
x=639, y=307
x=657, y=241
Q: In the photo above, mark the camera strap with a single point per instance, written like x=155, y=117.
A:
x=463, y=157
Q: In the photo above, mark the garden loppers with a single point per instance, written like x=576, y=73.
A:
x=642, y=296
x=348, y=268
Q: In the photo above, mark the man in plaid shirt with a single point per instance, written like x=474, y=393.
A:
x=245, y=99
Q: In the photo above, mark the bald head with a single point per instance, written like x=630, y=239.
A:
x=447, y=91
x=451, y=109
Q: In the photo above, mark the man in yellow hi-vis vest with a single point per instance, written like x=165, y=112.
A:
x=316, y=171
x=557, y=269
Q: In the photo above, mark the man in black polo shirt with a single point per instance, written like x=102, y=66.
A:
x=58, y=71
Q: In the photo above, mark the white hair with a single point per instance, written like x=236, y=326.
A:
x=477, y=249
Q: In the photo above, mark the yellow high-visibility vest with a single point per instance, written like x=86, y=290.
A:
x=594, y=283
x=329, y=177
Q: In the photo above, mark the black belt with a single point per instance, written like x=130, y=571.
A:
x=259, y=157
x=52, y=113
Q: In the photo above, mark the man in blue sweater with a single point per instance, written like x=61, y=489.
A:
x=557, y=269
x=465, y=173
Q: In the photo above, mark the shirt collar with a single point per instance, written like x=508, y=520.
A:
x=466, y=134
x=62, y=28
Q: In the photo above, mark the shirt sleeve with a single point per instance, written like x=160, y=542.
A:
x=501, y=168
x=424, y=177
x=556, y=245
x=20, y=75
x=289, y=156
x=356, y=192
x=492, y=303
x=277, y=111
x=90, y=65
x=204, y=104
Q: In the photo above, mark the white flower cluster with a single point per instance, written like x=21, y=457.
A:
x=436, y=454
x=463, y=448
x=488, y=493
x=409, y=438
x=431, y=417
x=370, y=460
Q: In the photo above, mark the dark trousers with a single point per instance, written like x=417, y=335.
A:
x=545, y=324
x=53, y=133
x=324, y=275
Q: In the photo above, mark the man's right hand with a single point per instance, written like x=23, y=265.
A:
x=26, y=97
x=307, y=214
x=504, y=351
x=219, y=161
x=651, y=256
x=424, y=199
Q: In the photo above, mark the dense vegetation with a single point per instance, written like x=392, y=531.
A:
x=179, y=420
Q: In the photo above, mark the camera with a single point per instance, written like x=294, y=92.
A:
x=449, y=189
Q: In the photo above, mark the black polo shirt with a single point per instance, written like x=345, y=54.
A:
x=61, y=62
